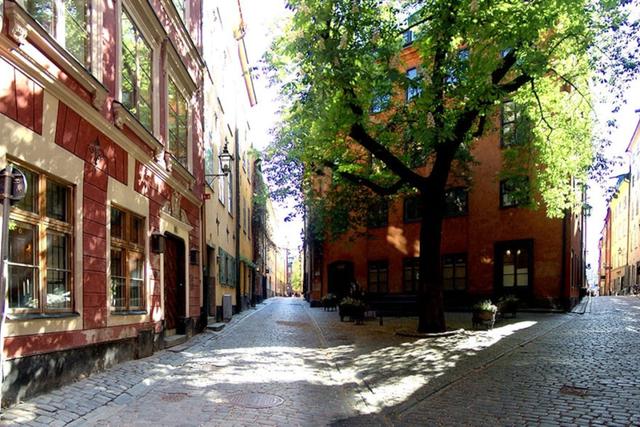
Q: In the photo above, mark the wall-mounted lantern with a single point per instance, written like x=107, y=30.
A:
x=158, y=243
x=225, y=163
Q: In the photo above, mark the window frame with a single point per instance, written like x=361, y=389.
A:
x=181, y=93
x=410, y=282
x=58, y=29
x=448, y=213
x=43, y=226
x=514, y=245
x=504, y=192
x=454, y=266
x=406, y=209
x=378, y=214
x=131, y=250
x=150, y=36
x=413, y=92
x=377, y=267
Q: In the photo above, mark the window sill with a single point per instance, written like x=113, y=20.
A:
x=129, y=313
x=182, y=171
x=37, y=316
x=123, y=117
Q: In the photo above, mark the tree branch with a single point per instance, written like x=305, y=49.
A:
x=516, y=83
x=481, y=125
x=376, y=188
x=542, y=117
x=359, y=134
x=570, y=83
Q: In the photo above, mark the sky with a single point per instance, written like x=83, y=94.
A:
x=265, y=21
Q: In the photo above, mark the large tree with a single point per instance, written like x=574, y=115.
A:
x=347, y=122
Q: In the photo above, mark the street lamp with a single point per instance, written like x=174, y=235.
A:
x=225, y=163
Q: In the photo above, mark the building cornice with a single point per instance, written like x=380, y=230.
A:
x=179, y=26
x=21, y=26
x=122, y=118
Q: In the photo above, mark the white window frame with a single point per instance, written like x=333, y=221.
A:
x=145, y=21
x=189, y=104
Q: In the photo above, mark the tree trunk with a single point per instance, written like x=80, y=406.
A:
x=430, y=297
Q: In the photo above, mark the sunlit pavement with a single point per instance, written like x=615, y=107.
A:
x=288, y=364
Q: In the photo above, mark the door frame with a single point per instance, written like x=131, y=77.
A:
x=524, y=291
x=180, y=246
x=332, y=268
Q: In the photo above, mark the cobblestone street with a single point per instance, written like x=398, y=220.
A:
x=287, y=364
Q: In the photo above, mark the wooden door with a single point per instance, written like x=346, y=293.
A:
x=174, y=283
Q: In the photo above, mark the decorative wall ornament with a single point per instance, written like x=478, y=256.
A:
x=17, y=26
x=98, y=99
x=118, y=115
x=96, y=152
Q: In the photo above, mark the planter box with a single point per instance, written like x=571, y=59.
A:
x=481, y=317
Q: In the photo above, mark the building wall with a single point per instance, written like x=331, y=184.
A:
x=619, y=236
x=634, y=207
x=61, y=121
x=475, y=234
x=228, y=99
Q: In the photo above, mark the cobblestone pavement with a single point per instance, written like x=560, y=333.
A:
x=287, y=364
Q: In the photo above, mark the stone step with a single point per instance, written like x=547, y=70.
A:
x=216, y=326
x=174, y=340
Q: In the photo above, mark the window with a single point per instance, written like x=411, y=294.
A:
x=378, y=276
x=515, y=126
x=40, y=247
x=230, y=193
x=458, y=67
x=68, y=22
x=127, y=260
x=178, y=134
x=410, y=274
x=412, y=211
x=136, y=72
x=514, y=259
x=455, y=202
x=378, y=214
x=454, y=272
x=380, y=103
x=407, y=38
x=413, y=85
x=181, y=8
x=514, y=192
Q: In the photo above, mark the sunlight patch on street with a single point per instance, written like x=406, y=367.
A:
x=391, y=375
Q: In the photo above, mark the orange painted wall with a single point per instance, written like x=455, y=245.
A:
x=474, y=234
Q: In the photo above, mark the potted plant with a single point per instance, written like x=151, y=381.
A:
x=352, y=308
x=508, y=305
x=484, y=311
x=329, y=302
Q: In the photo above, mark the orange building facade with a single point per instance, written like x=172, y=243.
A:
x=491, y=246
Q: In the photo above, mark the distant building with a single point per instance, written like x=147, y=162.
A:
x=620, y=237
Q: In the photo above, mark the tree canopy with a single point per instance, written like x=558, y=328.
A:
x=345, y=89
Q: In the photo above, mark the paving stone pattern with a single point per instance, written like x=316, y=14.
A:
x=287, y=364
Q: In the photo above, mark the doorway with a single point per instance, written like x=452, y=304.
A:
x=340, y=278
x=175, y=289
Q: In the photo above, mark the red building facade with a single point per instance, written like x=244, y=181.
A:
x=491, y=246
x=99, y=109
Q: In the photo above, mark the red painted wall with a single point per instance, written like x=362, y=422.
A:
x=21, y=99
